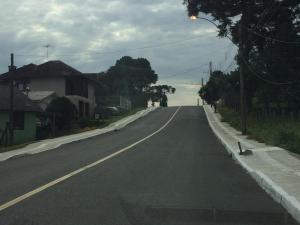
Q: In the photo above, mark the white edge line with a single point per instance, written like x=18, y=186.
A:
x=63, y=178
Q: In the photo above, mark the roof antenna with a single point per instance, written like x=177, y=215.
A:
x=47, y=50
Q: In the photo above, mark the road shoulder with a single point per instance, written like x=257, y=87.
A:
x=50, y=144
x=276, y=170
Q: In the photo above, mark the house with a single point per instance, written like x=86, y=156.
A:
x=60, y=78
x=25, y=112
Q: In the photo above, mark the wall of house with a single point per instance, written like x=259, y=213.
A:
x=4, y=117
x=58, y=85
x=92, y=97
x=22, y=136
x=91, y=92
x=49, y=84
x=29, y=132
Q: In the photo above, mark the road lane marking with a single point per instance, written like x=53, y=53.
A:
x=63, y=178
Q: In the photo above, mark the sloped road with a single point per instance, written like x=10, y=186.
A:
x=166, y=168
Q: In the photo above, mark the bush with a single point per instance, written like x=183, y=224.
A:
x=280, y=132
x=65, y=112
x=288, y=140
x=95, y=123
x=285, y=138
x=83, y=122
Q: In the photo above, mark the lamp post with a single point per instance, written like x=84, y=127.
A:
x=241, y=47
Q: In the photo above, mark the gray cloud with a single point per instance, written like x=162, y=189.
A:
x=91, y=35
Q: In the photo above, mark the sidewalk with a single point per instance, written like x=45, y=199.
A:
x=50, y=144
x=276, y=170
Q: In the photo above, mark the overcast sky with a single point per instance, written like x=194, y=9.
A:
x=91, y=35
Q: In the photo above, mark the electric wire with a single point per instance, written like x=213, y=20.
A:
x=120, y=50
x=267, y=80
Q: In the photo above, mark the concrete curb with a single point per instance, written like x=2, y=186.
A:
x=49, y=144
x=291, y=204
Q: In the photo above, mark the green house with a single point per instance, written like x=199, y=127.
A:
x=25, y=112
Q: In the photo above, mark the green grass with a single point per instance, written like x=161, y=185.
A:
x=280, y=132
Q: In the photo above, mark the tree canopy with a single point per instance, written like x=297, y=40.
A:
x=158, y=93
x=130, y=77
x=133, y=78
x=270, y=31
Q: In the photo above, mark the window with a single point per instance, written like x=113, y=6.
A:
x=19, y=120
x=22, y=84
x=77, y=86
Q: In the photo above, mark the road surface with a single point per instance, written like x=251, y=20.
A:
x=165, y=168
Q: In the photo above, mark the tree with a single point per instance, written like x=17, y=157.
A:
x=259, y=16
x=271, y=50
x=130, y=77
x=102, y=90
x=159, y=93
x=65, y=112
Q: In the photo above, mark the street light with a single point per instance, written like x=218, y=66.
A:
x=193, y=17
x=241, y=55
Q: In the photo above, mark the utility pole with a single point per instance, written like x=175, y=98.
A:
x=210, y=68
x=12, y=69
x=202, y=84
x=242, y=78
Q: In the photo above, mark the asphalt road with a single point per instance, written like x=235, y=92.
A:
x=180, y=175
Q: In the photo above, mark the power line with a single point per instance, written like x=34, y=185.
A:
x=125, y=50
x=186, y=71
x=229, y=66
x=254, y=32
x=267, y=80
x=272, y=39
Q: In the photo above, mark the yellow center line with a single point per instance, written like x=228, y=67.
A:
x=67, y=176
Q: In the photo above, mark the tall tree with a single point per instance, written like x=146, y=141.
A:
x=270, y=32
x=131, y=77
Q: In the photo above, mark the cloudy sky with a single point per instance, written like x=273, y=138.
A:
x=91, y=35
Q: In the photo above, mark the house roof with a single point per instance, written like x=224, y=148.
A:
x=48, y=69
x=40, y=95
x=21, y=101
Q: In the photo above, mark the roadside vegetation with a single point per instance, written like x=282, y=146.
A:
x=267, y=36
x=283, y=132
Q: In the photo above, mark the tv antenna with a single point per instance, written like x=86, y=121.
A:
x=47, y=50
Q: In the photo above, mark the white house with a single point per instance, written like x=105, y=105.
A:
x=59, y=78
